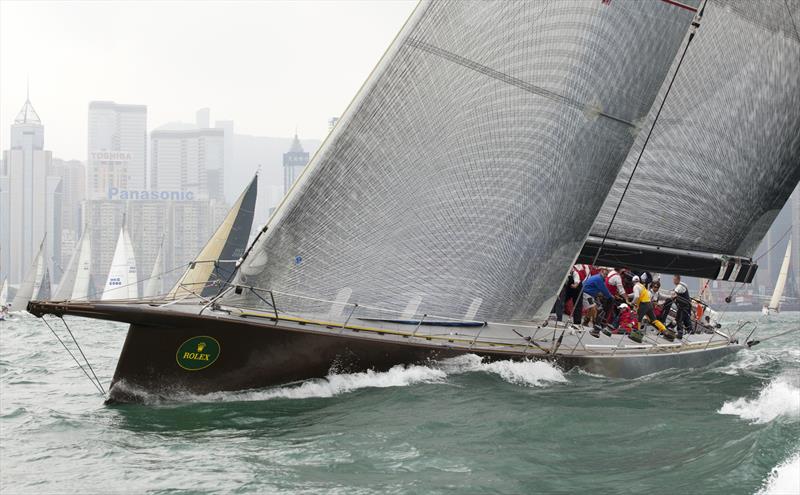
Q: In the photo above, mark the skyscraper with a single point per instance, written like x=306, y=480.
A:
x=29, y=195
x=73, y=192
x=230, y=186
x=117, y=148
x=293, y=163
x=189, y=161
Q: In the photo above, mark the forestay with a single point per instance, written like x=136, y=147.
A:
x=725, y=153
x=466, y=173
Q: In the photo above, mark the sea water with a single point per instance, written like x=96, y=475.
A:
x=453, y=426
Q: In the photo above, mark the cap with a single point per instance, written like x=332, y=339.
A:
x=623, y=305
x=636, y=278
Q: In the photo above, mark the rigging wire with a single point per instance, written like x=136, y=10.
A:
x=82, y=354
x=99, y=388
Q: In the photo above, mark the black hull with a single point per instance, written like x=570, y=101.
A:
x=254, y=353
x=250, y=357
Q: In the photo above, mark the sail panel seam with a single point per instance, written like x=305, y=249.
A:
x=508, y=79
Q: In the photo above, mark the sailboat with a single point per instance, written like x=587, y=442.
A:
x=4, y=299
x=442, y=214
x=122, y=282
x=77, y=277
x=154, y=286
x=780, y=284
x=32, y=283
x=4, y=293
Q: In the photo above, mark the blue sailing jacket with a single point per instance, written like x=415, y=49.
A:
x=596, y=284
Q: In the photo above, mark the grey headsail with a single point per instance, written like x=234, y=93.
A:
x=465, y=175
x=725, y=153
x=217, y=261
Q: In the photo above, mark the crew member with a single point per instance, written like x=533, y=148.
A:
x=593, y=287
x=578, y=275
x=683, y=301
x=644, y=307
x=627, y=320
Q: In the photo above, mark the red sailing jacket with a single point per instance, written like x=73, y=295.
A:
x=627, y=320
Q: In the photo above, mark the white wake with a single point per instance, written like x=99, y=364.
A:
x=524, y=373
x=336, y=384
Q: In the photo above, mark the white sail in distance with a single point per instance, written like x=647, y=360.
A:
x=75, y=281
x=122, y=280
x=44, y=292
x=467, y=171
x=780, y=284
x=155, y=284
x=31, y=283
x=4, y=293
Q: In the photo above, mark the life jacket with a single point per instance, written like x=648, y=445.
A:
x=683, y=299
x=583, y=271
x=644, y=294
x=627, y=320
x=611, y=287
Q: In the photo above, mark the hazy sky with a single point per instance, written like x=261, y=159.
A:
x=267, y=65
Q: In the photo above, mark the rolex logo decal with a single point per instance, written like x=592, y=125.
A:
x=198, y=353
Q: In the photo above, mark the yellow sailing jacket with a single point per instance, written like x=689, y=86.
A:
x=644, y=294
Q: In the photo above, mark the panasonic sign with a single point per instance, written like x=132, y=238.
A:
x=152, y=195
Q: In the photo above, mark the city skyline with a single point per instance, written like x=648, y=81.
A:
x=251, y=61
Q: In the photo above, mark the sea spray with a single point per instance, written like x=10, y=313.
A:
x=780, y=397
x=784, y=479
x=529, y=373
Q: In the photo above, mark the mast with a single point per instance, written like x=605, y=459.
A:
x=780, y=284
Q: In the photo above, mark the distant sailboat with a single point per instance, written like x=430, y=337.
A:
x=122, y=277
x=155, y=284
x=780, y=284
x=75, y=281
x=32, y=282
x=4, y=293
x=44, y=287
x=3, y=300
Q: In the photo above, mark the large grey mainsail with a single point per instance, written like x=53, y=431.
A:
x=725, y=153
x=465, y=175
